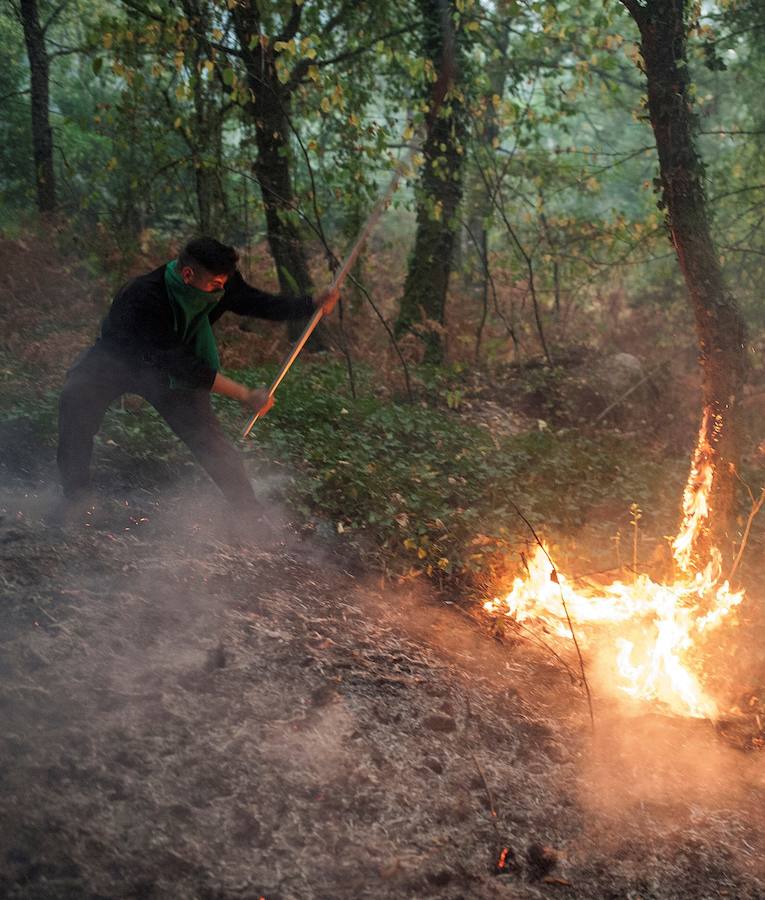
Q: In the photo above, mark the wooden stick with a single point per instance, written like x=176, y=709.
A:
x=340, y=276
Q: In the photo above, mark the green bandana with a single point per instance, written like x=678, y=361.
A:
x=191, y=309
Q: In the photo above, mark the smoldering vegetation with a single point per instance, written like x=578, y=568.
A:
x=187, y=714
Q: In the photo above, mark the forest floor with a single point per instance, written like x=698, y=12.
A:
x=188, y=712
x=187, y=716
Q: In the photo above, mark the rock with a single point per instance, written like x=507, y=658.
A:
x=605, y=381
x=620, y=372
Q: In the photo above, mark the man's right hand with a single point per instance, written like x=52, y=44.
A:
x=258, y=399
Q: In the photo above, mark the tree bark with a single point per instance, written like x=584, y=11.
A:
x=270, y=115
x=205, y=139
x=42, y=135
x=720, y=329
x=440, y=192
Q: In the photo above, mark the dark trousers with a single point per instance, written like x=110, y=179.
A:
x=98, y=378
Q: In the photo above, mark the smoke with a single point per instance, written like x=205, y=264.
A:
x=234, y=708
x=668, y=784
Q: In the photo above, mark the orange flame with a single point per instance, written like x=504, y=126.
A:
x=648, y=636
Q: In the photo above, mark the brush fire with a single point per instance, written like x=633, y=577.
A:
x=648, y=637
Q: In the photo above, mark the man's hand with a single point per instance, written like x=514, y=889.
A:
x=327, y=300
x=259, y=400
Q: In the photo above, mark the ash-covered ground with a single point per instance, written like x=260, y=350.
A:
x=190, y=713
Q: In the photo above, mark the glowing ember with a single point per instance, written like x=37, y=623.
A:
x=647, y=637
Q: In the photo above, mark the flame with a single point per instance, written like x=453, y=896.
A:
x=649, y=637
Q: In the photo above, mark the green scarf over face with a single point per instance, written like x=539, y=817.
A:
x=191, y=310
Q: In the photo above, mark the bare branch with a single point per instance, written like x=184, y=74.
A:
x=14, y=94
x=756, y=506
x=135, y=6
x=554, y=578
x=55, y=14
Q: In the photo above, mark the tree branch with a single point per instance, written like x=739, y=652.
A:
x=55, y=14
x=144, y=10
x=301, y=68
x=293, y=23
x=635, y=10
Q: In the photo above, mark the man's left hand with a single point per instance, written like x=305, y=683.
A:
x=327, y=300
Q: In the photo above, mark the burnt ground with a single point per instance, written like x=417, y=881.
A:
x=188, y=713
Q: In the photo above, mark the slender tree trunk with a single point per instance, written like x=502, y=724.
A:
x=42, y=135
x=270, y=114
x=206, y=151
x=206, y=139
x=440, y=193
x=663, y=30
x=479, y=206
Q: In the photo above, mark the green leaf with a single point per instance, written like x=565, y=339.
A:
x=228, y=76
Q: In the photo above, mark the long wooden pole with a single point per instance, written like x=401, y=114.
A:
x=337, y=282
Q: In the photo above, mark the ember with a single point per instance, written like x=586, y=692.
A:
x=648, y=636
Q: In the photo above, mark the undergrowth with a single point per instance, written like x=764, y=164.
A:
x=418, y=488
x=423, y=489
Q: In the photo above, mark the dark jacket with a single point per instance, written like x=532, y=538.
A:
x=140, y=327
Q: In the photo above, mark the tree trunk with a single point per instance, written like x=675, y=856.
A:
x=479, y=205
x=270, y=114
x=205, y=140
x=206, y=151
x=42, y=136
x=720, y=330
x=440, y=192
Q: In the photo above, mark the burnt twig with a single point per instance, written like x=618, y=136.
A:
x=501, y=852
x=554, y=577
x=756, y=506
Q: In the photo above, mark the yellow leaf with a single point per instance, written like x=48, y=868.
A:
x=408, y=133
x=311, y=53
x=325, y=104
x=422, y=552
x=313, y=73
x=108, y=39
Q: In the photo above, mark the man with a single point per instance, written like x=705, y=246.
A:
x=157, y=341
